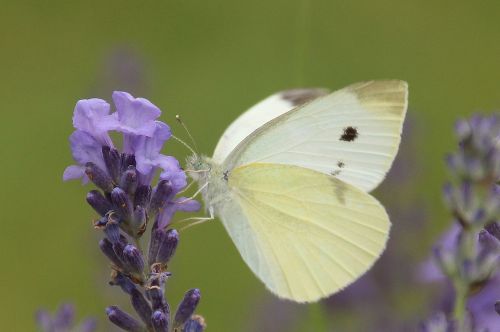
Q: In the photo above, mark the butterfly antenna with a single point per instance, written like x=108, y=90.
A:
x=185, y=144
x=178, y=118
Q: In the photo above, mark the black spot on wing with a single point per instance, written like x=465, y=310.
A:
x=340, y=165
x=349, y=134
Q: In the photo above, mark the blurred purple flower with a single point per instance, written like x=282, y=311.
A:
x=467, y=258
x=63, y=321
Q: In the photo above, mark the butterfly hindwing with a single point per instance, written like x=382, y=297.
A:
x=352, y=134
x=305, y=234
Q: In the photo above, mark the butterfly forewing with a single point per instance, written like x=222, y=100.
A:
x=261, y=113
x=352, y=134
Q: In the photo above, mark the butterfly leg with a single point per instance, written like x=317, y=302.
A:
x=194, y=195
x=196, y=220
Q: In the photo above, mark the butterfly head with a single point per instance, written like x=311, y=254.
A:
x=198, y=167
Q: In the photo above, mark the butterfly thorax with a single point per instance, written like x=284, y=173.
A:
x=211, y=177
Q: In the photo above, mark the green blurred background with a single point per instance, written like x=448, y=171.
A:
x=208, y=60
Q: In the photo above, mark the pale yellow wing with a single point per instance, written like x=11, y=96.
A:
x=353, y=133
x=260, y=114
x=305, y=234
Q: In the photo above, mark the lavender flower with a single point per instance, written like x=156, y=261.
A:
x=468, y=257
x=128, y=202
x=63, y=321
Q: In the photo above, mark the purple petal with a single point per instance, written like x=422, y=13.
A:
x=43, y=319
x=429, y=271
x=73, y=172
x=147, y=149
x=187, y=205
x=172, y=171
x=180, y=204
x=92, y=117
x=166, y=215
x=85, y=148
x=481, y=305
x=64, y=316
x=135, y=115
x=89, y=325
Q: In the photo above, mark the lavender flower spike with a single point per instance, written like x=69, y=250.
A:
x=126, y=203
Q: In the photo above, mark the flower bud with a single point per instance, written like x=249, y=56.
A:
x=161, y=196
x=99, y=177
x=194, y=324
x=141, y=306
x=112, y=159
x=462, y=129
x=142, y=196
x=123, y=320
x=129, y=180
x=494, y=229
x=155, y=292
x=122, y=203
x=162, y=245
x=488, y=243
x=119, y=279
x=187, y=307
x=65, y=316
x=159, y=321
x=107, y=249
x=167, y=247
x=138, y=301
x=133, y=259
x=139, y=220
x=100, y=204
x=112, y=230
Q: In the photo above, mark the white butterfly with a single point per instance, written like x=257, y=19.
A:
x=290, y=184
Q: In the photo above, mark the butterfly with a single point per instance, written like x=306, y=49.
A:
x=289, y=179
